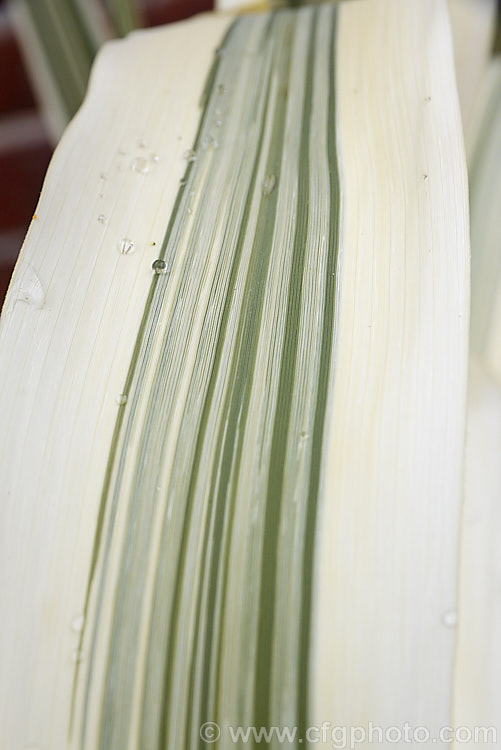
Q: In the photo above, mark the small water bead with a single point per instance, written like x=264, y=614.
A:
x=450, y=618
x=190, y=155
x=77, y=623
x=101, y=219
x=159, y=266
x=221, y=89
x=268, y=185
x=155, y=158
x=140, y=165
x=183, y=181
x=126, y=246
x=121, y=399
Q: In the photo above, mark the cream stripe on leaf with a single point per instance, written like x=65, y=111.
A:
x=386, y=554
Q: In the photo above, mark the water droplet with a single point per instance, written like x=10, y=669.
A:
x=183, y=181
x=155, y=158
x=140, y=165
x=142, y=143
x=450, y=618
x=190, y=155
x=218, y=123
x=121, y=399
x=29, y=289
x=159, y=266
x=103, y=176
x=268, y=185
x=221, y=89
x=189, y=211
x=77, y=655
x=101, y=219
x=77, y=623
x=126, y=246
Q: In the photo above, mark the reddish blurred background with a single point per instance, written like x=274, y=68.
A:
x=25, y=147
